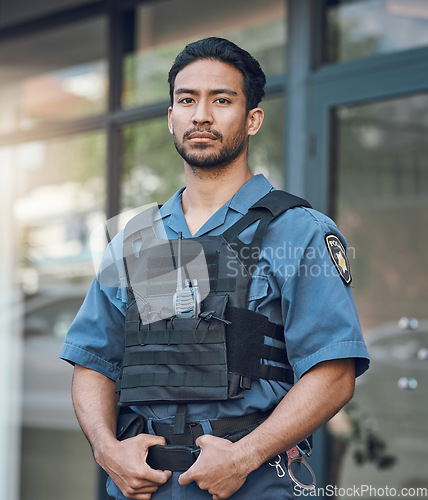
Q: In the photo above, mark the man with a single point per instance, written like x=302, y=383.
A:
x=299, y=282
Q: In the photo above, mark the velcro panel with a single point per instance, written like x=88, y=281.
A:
x=162, y=262
x=157, y=263
x=245, y=340
x=246, y=351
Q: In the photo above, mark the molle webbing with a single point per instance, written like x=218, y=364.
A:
x=175, y=360
x=192, y=358
x=246, y=352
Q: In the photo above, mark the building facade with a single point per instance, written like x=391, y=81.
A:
x=83, y=138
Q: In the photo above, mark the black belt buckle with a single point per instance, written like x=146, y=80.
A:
x=176, y=458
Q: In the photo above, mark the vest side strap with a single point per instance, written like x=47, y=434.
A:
x=270, y=372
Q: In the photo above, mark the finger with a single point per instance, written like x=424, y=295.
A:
x=185, y=478
x=142, y=493
x=157, y=476
x=205, y=440
x=145, y=489
x=151, y=439
x=201, y=440
x=143, y=496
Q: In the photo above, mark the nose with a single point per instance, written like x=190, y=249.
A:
x=202, y=113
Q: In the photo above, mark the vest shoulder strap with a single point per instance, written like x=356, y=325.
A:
x=278, y=202
x=264, y=210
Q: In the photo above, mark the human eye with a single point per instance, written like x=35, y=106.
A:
x=222, y=100
x=185, y=100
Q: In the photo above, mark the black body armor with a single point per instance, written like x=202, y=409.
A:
x=188, y=333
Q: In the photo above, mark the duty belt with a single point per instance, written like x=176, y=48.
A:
x=180, y=453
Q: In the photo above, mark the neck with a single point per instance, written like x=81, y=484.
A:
x=209, y=189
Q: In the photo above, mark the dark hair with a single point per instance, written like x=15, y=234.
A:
x=220, y=49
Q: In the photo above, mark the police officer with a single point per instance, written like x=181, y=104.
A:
x=299, y=283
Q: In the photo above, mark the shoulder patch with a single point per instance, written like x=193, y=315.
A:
x=338, y=256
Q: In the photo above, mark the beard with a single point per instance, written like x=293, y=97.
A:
x=196, y=158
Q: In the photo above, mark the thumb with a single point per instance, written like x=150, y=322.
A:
x=151, y=440
x=205, y=440
x=185, y=478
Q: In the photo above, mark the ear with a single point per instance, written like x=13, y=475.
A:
x=255, y=120
x=171, y=128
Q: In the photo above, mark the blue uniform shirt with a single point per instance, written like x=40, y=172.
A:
x=295, y=283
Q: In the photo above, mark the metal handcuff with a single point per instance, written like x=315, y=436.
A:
x=295, y=454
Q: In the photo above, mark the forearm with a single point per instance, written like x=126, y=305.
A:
x=95, y=404
x=315, y=398
x=223, y=467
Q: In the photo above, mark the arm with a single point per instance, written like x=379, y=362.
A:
x=95, y=403
x=222, y=466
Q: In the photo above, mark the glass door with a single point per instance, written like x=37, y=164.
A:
x=379, y=441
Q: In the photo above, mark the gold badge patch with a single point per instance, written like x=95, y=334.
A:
x=338, y=256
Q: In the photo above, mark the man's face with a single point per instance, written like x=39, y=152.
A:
x=208, y=118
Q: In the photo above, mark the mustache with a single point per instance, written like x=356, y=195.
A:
x=202, y=130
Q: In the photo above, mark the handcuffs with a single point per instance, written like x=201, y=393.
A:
x=295, y=454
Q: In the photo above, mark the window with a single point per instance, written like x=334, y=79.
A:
x=382, y=207
x=15, y=11
x=363, y=28
x=59, y=199
x=383, y=194
x=164, y=28
x=48, y=77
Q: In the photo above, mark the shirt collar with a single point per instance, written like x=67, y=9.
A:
x=254, y=189
x=171, y=205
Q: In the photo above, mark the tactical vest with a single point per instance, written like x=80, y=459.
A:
x=214, y=354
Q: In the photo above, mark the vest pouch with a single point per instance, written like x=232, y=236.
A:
x=176, y=360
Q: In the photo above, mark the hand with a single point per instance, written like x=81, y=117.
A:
x=125, y=462
x=218, y=469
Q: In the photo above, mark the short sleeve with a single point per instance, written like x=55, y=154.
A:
x=96, y=336
x=320, y=318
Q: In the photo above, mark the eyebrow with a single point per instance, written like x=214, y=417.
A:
x=180, y=91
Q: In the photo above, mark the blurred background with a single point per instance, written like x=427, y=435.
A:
x=83, y=137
